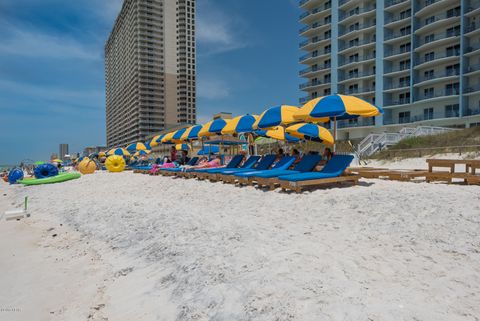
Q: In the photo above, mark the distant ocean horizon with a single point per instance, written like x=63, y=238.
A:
x=3, y=167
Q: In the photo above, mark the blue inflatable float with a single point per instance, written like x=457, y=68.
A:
x=15, y=175
x=45, y=170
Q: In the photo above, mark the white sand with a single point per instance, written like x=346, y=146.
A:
x=137, y=247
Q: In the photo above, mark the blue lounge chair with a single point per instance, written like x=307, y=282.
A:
x=172, y=171
x=245, y=177
x=330, y=173
x=212, y=173
x=227, y=176
x=306, y=164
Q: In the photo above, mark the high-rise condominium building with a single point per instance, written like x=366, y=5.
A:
x=63, y=150
x=150, y=69
x=418, y=60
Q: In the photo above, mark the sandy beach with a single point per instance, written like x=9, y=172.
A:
x=135, y=247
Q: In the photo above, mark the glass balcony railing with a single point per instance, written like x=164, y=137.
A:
x=356, y=75
x=313, y=69
x=390, y=53
x=315, y=11
x=438, y=75
x=306, y=28
x=397, y=102
x=439, y=18
x=396, y=69
x=355, y=44
x=352, y=91
x=396, y=86
x=312, y=84
x=472, y=5
x=471, y=27
x=356, y=122
x=472, y=111
x=311, y=41
x=397, y=35
x=471, y=89
x=427, y=3
x=398, y=17
x=472, y=48
x=471, y=68
x=359, y=27
x=357, y=59
x=437, y=37
x=438, y=93
x=313, y=55
x=390, y=3
x=355, y=12
x=437, y=56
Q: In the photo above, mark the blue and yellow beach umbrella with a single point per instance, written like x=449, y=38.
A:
x=277, y=133
x=240, y=124
x=118, y=151
x=168, y=138
x=142, y=152
x=136, y=146
x=191, y=133
x=182, y=147
x=336, y=107
x=153, y=142
x=276, y=116
x=312, y=132
x=213, y=127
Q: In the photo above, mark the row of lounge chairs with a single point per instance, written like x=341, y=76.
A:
x=265, y=172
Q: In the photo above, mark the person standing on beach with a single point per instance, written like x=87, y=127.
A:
x=173, y=154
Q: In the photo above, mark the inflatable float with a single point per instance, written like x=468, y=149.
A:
x=62, y=177
x=115, y=164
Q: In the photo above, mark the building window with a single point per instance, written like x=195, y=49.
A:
x=404, y=117
x=428, y=113
x=353, y=73
x=428, y=92
x=405, y=47
x=452, y=110
x=429, y=38
x=453, y=31
x=429, y=20
x=455, y=12
x=428, y=74
x=453, y=70
x=327, y=91
x=406, y=30
x=429, y=56
x=452, y=89
x=404, y=64
x=453, y=50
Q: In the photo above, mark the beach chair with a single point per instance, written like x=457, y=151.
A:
x=173, y=171
x=242, y=178
x=211, y=173
x=234, y=162
x=227, y=175
x=331, y=173
x=270, y=178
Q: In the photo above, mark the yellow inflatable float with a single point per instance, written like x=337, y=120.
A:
x=115, y=163
x=87, y=166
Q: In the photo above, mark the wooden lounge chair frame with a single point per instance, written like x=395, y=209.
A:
x=298, y=186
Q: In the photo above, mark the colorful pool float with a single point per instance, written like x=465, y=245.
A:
x=62, y=177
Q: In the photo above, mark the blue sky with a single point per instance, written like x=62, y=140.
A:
x=52, y=74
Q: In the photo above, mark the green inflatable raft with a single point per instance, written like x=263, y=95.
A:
x=62, y=177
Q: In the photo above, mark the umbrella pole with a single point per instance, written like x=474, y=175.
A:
x=334, y=133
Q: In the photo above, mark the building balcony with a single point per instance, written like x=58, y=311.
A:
x=437, y=40
x=421, y=118
x=425, y=61
x=436, y=77
x=356, y=13
x=391, y=3
x=471, y=90
x=361, y=28
x=472, y=69
x=397, y=36
x=310, y=30
x=313, y=13
x=472, y=50
x=358, y=122
x=312, y=70
x=361, y=43
x=310, y=57
x=437, y=94
x=310, y=43
x=472, y=8
x=432, y=6
x=359, y=91
x=311, y=84
x=396, y=53
x=396, y=103
x=396, y=87
x=472, y=112
x=472, y=29
x=356, y=76
x=397, y=19
x=396, y=70
x=357, y=60
x=438, y=21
